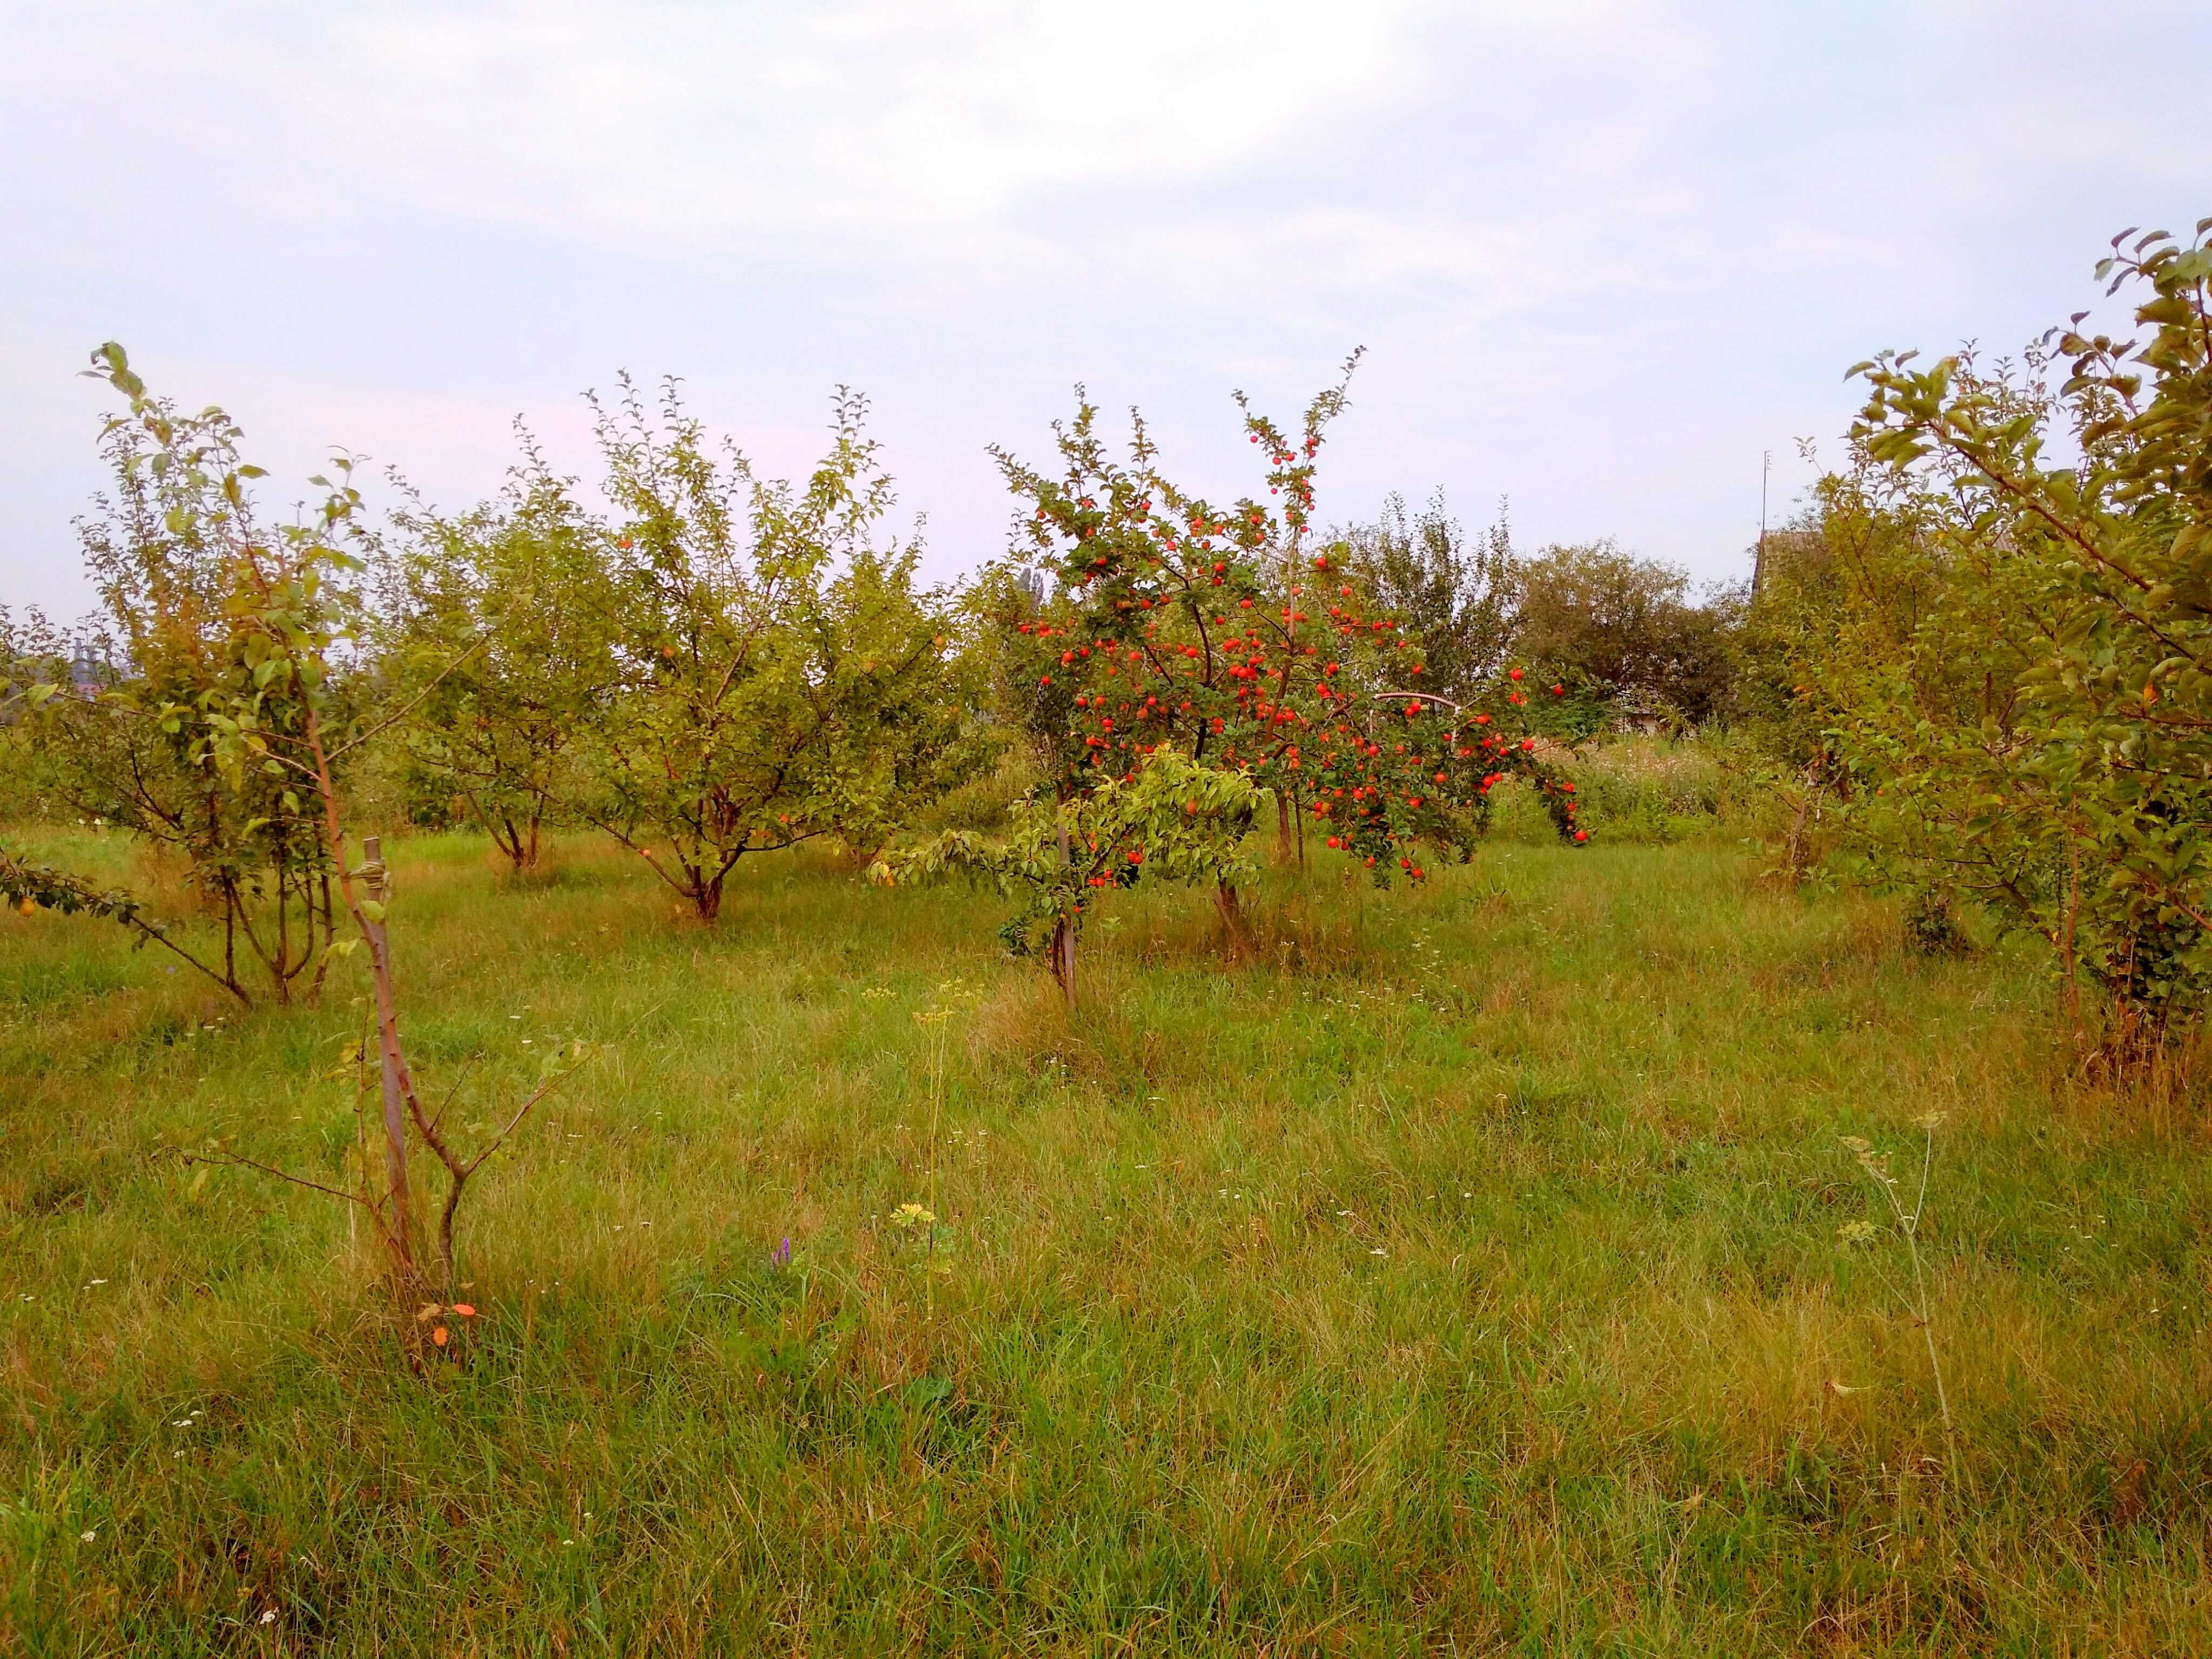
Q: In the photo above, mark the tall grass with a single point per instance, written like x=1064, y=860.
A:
x=1462, y=1272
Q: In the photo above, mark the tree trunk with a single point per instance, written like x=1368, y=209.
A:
x=521, y=850
x=1061, y=958
x=1063, y=929
x=1230, y=908
x=1283, y=825
x=282, y=972
x=707, y=897
x=1796, y=859
x=230, y=936
x=330, y=936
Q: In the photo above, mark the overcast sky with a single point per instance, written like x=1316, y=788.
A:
x=1602, y=254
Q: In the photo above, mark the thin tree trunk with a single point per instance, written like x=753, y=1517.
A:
x=329, y=935
x=398, y=1085
x=456, y=1178
x=1061, y=958
x=2066, y=949
x=280, y=969
x=393, y=1067
x=707, y=896
x=1230, y=908
x=1797, y=831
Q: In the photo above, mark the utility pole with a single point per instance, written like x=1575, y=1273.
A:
x=1759, y=559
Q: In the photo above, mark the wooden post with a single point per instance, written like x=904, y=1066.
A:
x=395, y=1101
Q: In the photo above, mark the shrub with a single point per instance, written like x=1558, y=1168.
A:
x=1170, y=817
x=1931, y=923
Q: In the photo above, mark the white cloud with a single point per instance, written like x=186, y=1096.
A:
x=704, y=127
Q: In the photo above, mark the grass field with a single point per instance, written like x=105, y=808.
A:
x=1463, y=1275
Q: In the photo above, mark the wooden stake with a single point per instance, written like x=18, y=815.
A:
x=395, y=1096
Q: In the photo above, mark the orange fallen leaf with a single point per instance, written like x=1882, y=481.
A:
x=465, y=1310
x=438, y=1336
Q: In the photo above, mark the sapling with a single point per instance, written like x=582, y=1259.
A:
x=265, y=717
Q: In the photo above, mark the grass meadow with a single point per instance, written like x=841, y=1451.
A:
x=1468, y=1271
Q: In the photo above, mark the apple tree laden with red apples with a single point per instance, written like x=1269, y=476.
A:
x=1162, y=648
x=1233, y=633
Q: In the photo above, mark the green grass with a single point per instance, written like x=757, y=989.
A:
x=1461, y=1276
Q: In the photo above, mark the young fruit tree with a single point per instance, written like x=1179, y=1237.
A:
x=779, y=675
x=492, y=625
x=2041, y=734
x=1170, y=818
x=170, y=716
x=240, y=637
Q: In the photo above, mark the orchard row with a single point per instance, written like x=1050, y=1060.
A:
x=717, y=664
